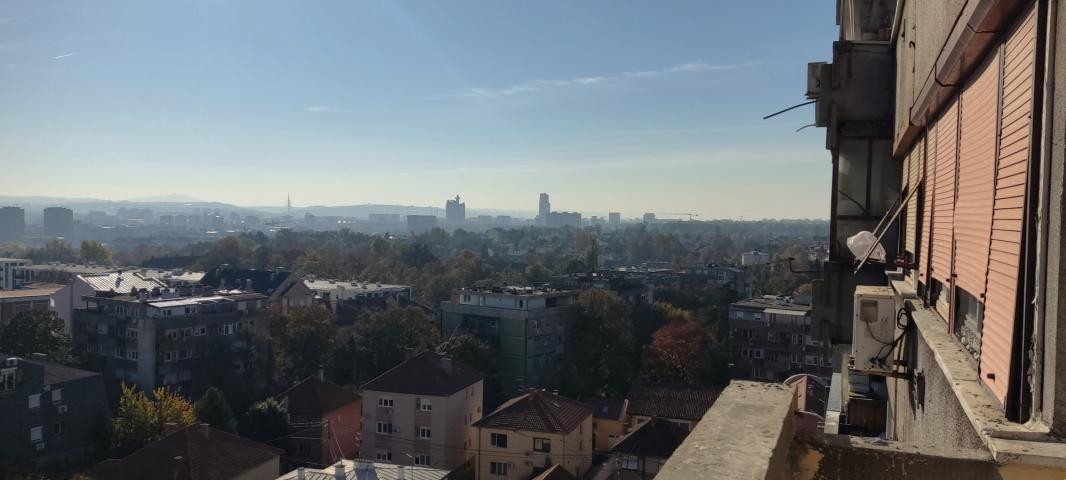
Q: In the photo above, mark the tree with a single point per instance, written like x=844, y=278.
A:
x=36, y=332
x=265, y=421
x=538, y=273
x=141, y=421
x=383, y=338
x=676, y=353
x=468, y=349
x=95, y=252
x=599, y=358
x=213, y=410
x=303, y=340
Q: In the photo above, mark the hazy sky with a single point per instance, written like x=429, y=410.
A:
x=607, y=105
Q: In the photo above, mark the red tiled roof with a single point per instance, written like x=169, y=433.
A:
x=556, y=472
x=316, y=397
x=196, y=452
x=427, y=373
x=682, y=402
x=538, y=411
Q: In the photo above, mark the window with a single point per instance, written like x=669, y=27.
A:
x=758, y=372
x=7, y=379
x=812, y=360
x=35, y=401
x=37, y=434
x=57, y=395
x=542, y=445
x=168, y=356
x=184, y=353
x=424, y=405
x=795, y=358
x=422, y=459
x=385, y=455
x=498, y=440
x=757, y=353
x=131, y=354
x=226, y=329
x=186, y=332
x=172, y=334
x=797, y=338
x=200, y=331
x=385, y=402
x=772, y=337
x=969, y=315
x=498, y=468
x=188, y=310
x=385, y=428
x=131, y=333
x=628, y=462
x=57, y=429
x=167, y=313
x=425, y=433
x=745, y=352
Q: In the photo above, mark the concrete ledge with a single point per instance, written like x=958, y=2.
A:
x=746, y=435
x=821, y=456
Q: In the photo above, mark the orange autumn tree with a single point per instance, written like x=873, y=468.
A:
x=676, y=352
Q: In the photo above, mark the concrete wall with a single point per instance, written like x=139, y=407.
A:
x=1054, y=314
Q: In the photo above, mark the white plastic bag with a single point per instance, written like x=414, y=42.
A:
x=860, y=243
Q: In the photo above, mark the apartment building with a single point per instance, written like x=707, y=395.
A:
x=524, y=326
x=418, y=224
x=531, y=433
x=12, y=224
x=643, y=451
x=48, y=412
x=944, y=133
x=349, y=299
x=609, y=419
x=771, y=338
x=325, y=422
x=420, y=412
x=282, y=288
x=58, y=222
x=191, y=343
x=32, y=297
x=13, y=273
x=634, y=289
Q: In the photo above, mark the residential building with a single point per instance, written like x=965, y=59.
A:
x=614, y=219
x=65, y=273
x=564, y=219
x=681, y=404
x=13, y=273
x=633, y=288
x=754, y=257
x=196, y=452
x=556, y=472
x=190, y=343
x=943, y=121
x=529, y=434
x=348, y=299
x=608, y=421
x=649, y=217
x=643, y=451
x=525, y=327
x=282, y=288
x=119, y=282
x=455, y=212
x=772, y=338
x=58, y=222
x=420, y=412
x=366, y=470
x=12, y=224
x=418, y=224
x=325, y=421
x=544, y=209
x=48, y=412
x=32, y=297
x=732, y=277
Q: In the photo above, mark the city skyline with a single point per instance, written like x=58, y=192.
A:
x=632, y=108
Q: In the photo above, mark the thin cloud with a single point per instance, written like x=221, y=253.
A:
x=322, y=108
x=65, y=55
x=540, y=85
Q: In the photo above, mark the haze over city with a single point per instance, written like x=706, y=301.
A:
x=630, y=108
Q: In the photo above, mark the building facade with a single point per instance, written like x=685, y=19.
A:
x=48, y=412
x=771, y=339
x=33, y=297
x=634, y=289
x=754, y=257
x=524, y=326
x=418, y=224
x=421, y=412
x=531, y=433
x=325, y=422
x=58, y=222
x=13, y=273
x=12, y=224
x=189, y=343
x=455, y=212
x=544, y=208
x=614, y=219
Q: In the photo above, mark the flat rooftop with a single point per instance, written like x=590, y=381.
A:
x=186, y=301
x=771, y=303
x=31, y=290
x=517, y=290
x=325, y=284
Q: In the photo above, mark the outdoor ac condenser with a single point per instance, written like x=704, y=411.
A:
x=873, y=329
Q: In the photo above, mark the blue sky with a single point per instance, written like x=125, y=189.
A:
x=607, y=105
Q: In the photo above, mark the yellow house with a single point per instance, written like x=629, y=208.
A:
x=529, y=434
x=608, y=421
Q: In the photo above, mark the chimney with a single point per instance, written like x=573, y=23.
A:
x=300, y=475
x=338, y=471
x=400, y=473
x=446, y=364
x=321, y=373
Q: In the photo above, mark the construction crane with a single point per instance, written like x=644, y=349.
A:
x=690, y=215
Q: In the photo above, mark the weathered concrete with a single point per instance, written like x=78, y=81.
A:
x=820, y=456
x=1054, y=315
x=746, y=435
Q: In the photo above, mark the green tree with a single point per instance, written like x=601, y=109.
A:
x=600, y=354
x=95, y=252
x=141, y=420
x=538, y=273
x=213, y=410
x=468, y=349
x=265, y=421
x=303, y=340
x=383, y=338
x=36, y=332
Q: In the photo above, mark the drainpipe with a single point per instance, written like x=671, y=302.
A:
x=1044, y=197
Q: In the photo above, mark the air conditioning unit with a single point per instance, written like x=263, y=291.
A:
x=61, y=408
x=873, y=329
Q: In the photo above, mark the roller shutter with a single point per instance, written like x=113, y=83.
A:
x=1011, y=174
x=946, y=128
x=914, y=169
x=929, y=173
